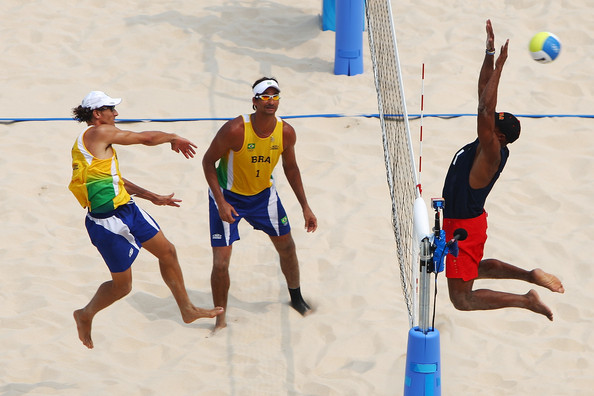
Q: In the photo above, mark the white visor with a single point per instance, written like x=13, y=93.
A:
x=264, y=85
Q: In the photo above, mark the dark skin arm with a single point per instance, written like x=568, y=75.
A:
x=488, y=61
x=488, y=156
x=229, y=137
x=293, y=175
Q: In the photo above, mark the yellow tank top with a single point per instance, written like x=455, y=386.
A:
x=96, y=183
x=249, y=170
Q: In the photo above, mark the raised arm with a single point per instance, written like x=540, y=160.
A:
x=488, y=61
x=488, y=103
x=488, y=155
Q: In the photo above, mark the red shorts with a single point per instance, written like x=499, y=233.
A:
x=471, y=249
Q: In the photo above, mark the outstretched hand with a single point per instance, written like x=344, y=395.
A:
x=166, y=200
x=503, y=55
x=490, y=44
x=184, y=146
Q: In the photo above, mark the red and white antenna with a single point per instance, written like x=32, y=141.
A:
x=421, y=132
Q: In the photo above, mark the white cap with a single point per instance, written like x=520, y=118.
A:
x=264, y=85
x=97, y=99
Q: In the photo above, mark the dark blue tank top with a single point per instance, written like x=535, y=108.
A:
x=462, y=201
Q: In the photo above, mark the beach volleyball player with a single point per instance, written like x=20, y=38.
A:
x=472, y=173
x=247, y=149
x=116, y=226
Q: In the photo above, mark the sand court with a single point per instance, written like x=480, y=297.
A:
x=193, y=59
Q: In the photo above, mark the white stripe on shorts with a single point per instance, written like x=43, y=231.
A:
x=273, y=209
x=148, y=218
x=226, y=226
x=116, y=226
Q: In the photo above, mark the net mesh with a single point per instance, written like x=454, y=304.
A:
x=398, y=152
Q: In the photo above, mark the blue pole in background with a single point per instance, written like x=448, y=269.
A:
x=350, y=23
x=329, y=15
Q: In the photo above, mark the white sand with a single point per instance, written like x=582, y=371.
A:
x=198, y=59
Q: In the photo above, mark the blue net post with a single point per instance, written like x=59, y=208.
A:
x=423, y=364
x=329, y=15
x=350, y=23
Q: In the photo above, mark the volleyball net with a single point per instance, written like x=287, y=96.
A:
x=398, y=152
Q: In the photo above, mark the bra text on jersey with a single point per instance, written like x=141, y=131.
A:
x=260, y=158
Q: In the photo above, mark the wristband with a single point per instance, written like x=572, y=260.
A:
x=490, y=52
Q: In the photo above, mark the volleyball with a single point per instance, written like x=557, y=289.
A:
x=544, y=47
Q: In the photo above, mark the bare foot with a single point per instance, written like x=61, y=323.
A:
x=536, y=305
x=549, y=281
x=220, y=324
x=84, y=328
x=194, y=313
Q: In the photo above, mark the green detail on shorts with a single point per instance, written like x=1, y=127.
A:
x=285, y=221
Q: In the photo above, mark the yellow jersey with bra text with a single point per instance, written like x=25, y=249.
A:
x=96, y=183
x=249, y=170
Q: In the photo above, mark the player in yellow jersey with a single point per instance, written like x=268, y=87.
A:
x=247, y=149
x=116, y=226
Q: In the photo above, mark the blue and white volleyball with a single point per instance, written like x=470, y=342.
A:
x=545, y=47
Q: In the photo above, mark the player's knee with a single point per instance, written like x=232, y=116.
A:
x=127, y=289
x=460, y=301
x=220, y=266
x=221, y=259
x=168, y=251
x=122, y=289
x=285, y=245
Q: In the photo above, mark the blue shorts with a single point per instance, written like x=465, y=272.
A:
x=118, y=235
x=264, y=211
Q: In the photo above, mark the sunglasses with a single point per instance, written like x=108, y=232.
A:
x=112, y=108
x=268, y=97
